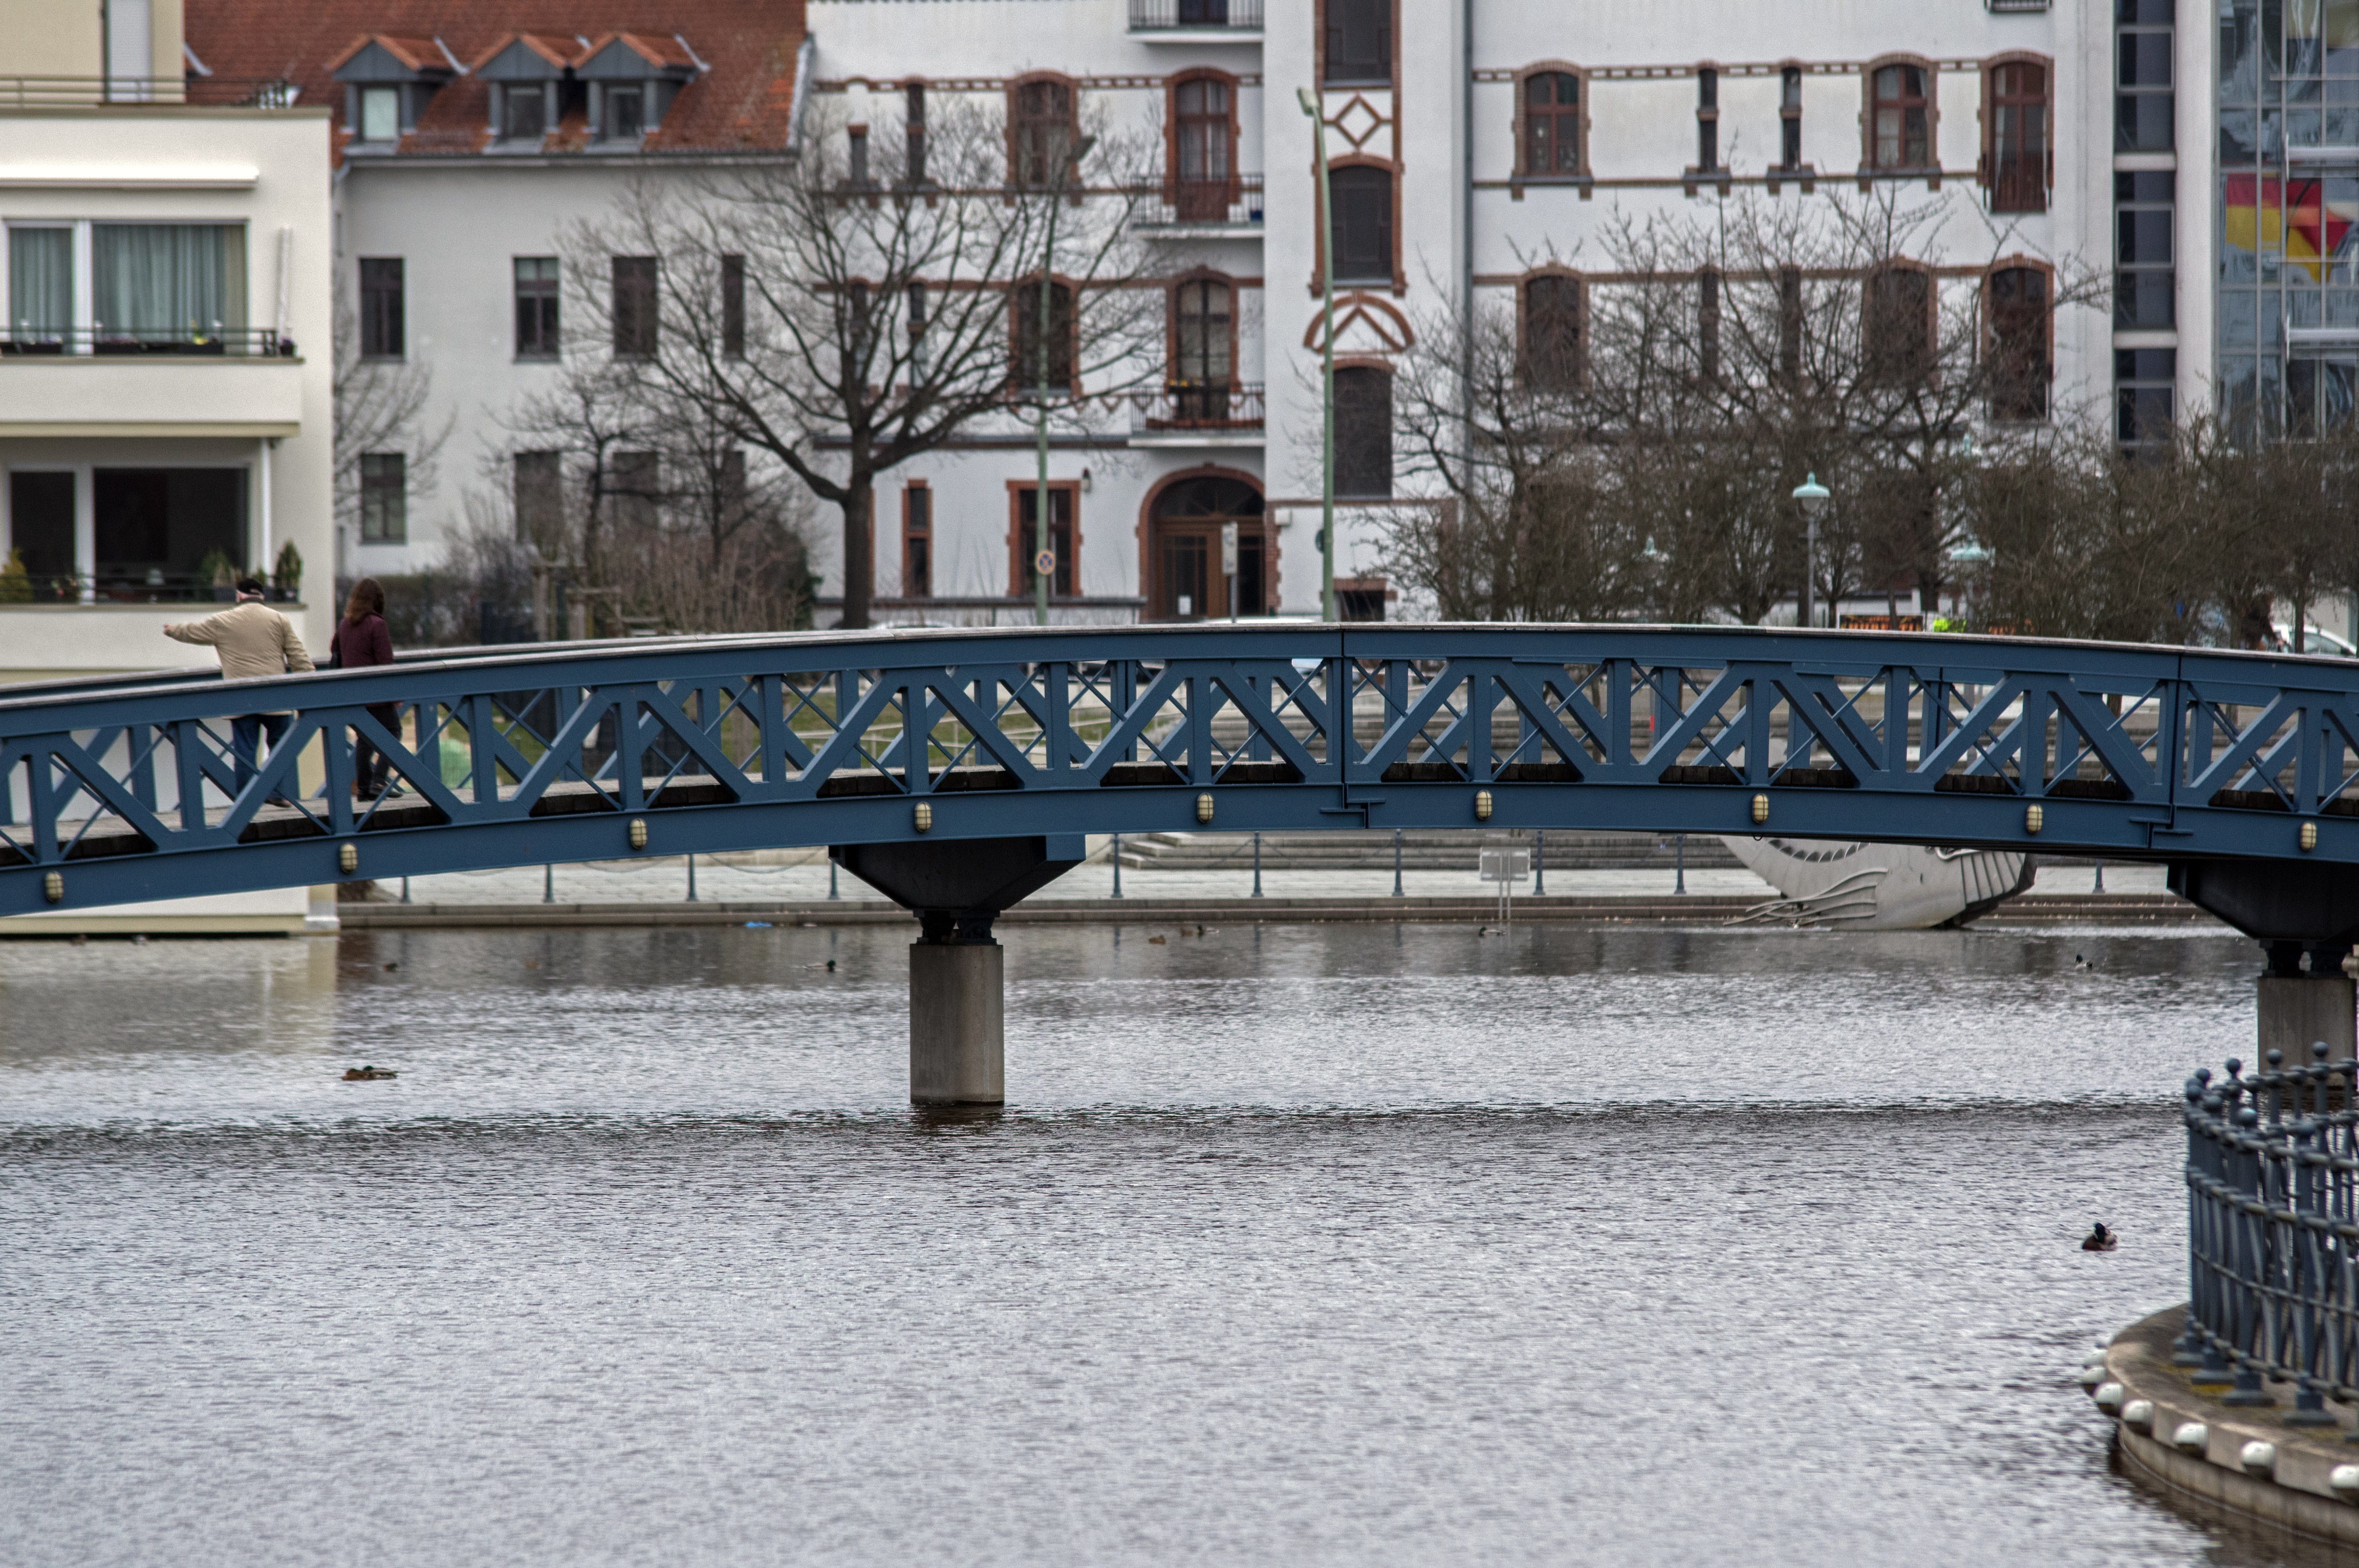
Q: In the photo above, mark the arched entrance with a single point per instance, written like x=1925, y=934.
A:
x=1183, y=549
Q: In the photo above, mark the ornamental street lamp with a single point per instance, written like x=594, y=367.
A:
x=1044, y=554
x=1811, y=497
x=1309, y=101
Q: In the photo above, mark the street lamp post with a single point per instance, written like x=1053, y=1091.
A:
x=1044, y=560
x=1811, y=497
x=1309, y=101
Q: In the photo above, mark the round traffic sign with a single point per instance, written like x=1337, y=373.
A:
x=1045, y=562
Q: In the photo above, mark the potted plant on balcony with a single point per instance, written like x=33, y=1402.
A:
x=286, y=576
x=221, y=572
x=16, y=582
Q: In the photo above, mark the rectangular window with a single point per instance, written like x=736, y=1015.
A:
x=1789, y=115
x=1203, y=129
x=160, y=526
x=1363, y=432
x=2143, y=77
x=2145, y=281
x=2143, y=380
x=732, y=307
x=539, y=482
x=1901, y=117
x=1708, y=324
x=381, y=303
x=41, y=525
x=2016, y=123
x=385, y=498
x=627, y=113
x=2016, y=310
x=1060, y=540
x=166, y=284
x=1707, y=121
x=380, y=114
x=41, y=288
x=634, y=308
x=1898, y=325
x=1026, y=370
x=1362, y=199
x=1552, y=139
x=913, y=133
x=855, y=157
x=536, y=308
x=1551, y=333
x=1359, y=35
x=523, y=112
x=1042, y=135
x=1790, y=323
x=917, y=541
x=635, y=488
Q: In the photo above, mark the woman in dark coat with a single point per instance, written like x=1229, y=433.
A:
x=360, y=641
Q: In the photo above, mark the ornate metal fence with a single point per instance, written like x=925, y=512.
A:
x=2273, y=1232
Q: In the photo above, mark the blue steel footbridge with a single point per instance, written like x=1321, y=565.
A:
x=942, y=750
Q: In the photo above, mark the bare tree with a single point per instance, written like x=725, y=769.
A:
x=845, y=326
x=379, y=405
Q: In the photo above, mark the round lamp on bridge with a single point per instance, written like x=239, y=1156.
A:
x=2309, y=836
x=638, y=833
x=53, y=887
x=921, y=817
x=2033, y=818
x=1760, y=809
x=1203, y=809
x=1482, y=806
x=348, y=858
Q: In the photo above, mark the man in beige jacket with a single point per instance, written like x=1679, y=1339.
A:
x=253, y=640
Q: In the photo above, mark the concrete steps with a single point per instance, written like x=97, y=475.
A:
x=1427, y=851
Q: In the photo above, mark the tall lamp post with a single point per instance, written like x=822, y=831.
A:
x=1309, y=101
x=1811, y=497
x=1044, y=558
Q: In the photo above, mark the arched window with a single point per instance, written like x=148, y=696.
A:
x=1362, y=199
x=2016, y=310
x=1203, y=368
x=2017, y=122
x=1551, y=332
x=1900, y=116
x=1551, y=122
x=1203, y=132
x=1897, y=324
x=1363, y=432
x=1359, y=43
x=1024, y=350
x=1042, y=133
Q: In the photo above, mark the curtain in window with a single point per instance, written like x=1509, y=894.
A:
x=40, y=283
x=166, y=281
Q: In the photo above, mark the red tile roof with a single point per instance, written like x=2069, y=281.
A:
x=745, y=101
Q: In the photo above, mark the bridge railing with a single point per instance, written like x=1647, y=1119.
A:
x=538, y=751
x=2273, y=1228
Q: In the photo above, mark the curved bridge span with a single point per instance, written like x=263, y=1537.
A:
x=130, y=789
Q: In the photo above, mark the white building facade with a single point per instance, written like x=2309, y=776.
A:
x=1478, y=149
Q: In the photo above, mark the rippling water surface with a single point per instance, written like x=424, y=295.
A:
x=1299, y=1245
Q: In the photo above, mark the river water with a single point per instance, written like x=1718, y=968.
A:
x=1298, y=1244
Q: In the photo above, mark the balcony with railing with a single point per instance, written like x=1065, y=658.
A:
x=1183, y=17
x=2019, y=183
x=135, y=92
x=1229, y=204
x=1197, y=414
x=215, y=341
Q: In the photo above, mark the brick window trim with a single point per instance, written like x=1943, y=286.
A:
x=1522, y=144
x=1986, y=157
x=1020, y=527
x=1400, y=283
x=1867, y=164
x=1932, y=276
x=1147, y=565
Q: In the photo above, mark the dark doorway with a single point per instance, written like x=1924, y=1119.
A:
x=1185, y=550
x=41, y=525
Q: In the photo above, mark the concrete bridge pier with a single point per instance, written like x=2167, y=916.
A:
x=957, y=970
x=2305, y=917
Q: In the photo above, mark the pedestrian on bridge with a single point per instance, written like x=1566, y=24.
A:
x=361, y=640
x=253, y=640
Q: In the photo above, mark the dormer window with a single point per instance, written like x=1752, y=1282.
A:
x=387, y=79
x=627, y=113
x=633, y=78
x=524, y=113
x=524, y=72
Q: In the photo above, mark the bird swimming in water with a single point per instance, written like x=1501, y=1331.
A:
x=2100, y=1240
x=2081, y=963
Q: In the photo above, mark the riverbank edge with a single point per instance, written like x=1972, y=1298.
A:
x=2296, y=1501
x=1691, y=909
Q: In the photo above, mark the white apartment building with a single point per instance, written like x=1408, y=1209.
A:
x=1482, y=151
x=164, y=391
x=466, y=141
